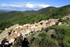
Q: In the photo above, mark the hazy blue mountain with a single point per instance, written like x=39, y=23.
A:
x=1, y=10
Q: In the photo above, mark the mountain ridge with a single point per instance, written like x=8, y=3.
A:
x=20, y=17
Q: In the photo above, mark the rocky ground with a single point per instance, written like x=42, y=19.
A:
x=13, y=33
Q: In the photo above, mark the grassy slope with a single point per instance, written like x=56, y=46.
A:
x=16, y=17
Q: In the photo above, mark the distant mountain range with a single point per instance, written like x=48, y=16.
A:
x=1, y=10
x=27, y=11
x=30, y=16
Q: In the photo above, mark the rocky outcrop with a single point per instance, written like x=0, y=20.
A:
x=17, y=30
x=14, y=32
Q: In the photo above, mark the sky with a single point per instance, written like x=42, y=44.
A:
x=22, y=5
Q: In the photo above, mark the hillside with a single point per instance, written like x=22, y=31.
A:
x=47, y=27
x=45, y=33
x=45, y=10
x=17, y=17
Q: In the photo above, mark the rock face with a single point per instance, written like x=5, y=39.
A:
x=66, y=17
x=60, y=23
x=0, y=31
x=15, y=31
